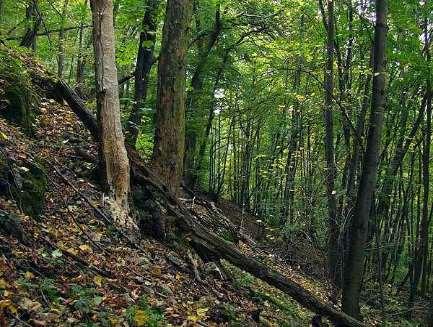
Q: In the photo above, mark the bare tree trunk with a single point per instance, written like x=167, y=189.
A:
x=421, y=255
x=195, y=114
x=359, y=225
x=81, y=61
x=114, y=159
x=329, y=149
x=169, y=144
x=142, y=68
x=34, y=21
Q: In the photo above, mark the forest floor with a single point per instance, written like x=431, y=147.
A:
x=69, y=267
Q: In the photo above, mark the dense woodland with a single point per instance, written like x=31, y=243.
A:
x=313, y=116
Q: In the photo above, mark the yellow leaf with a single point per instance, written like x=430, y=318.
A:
x=85, y=248
x=72, y=250
x=3, y=284
x=7, y=304
x=29, y=305
x=3, y=136
x=200, y=314
x=29, y=275
x=155, y=271
x=97, y=280
x=140, y=318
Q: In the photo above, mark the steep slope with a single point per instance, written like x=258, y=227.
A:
x=66, y=264
x=74, y=268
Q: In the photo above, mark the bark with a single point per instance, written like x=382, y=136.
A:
x=142, y=69
x=329, y=149
x=81, y=62
x=169, y=141
x=359, y=225
x=34, y=22
x=114, y=159
x=421, y=255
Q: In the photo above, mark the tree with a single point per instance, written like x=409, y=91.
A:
x=359, y=225
x=113, y=155
x=34, y=21
x=169, y=142
x=329, y=147
x=61, y=50
x=142, y=68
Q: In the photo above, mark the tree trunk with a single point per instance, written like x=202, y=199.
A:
x=195, y=114
x=169, y=145
x=359, y=225
x=61, y=48
x=329, y=149
x=142, y=69
x=81, y=62
x=114, y=159
x=34, y=21
x=421, y=256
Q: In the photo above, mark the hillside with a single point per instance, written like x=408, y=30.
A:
x=64, y=263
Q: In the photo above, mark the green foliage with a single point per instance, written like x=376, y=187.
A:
x=86, y=299
x=141, y=314
x=17, y=89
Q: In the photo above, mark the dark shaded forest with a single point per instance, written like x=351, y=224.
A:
x=216, y=163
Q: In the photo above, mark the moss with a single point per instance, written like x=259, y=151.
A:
x=20, y=105
x=18, y=109
x=26, y=184
x=31, y=194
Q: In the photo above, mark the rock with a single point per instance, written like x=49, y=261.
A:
x=24, y=183
x=32, y=191
x=10, y=225
x=18, y=99
x=18, y=109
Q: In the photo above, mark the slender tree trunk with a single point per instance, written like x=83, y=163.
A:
x=34, y=21
x=81, y=61
x=142, y=69
x=169, y=144
x=61, y=48
x=359, y=225
x=114, y=159
x=195, y=114
x=421, y=255
x=329, y=149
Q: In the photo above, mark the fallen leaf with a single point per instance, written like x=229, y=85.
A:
x=140, y=318
x=97, y=280
x=85, y=248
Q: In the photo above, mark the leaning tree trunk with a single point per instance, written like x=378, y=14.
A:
x=168, y=150
x=114, y=159
x=359, y=225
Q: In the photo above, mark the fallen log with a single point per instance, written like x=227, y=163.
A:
x=205, y=242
